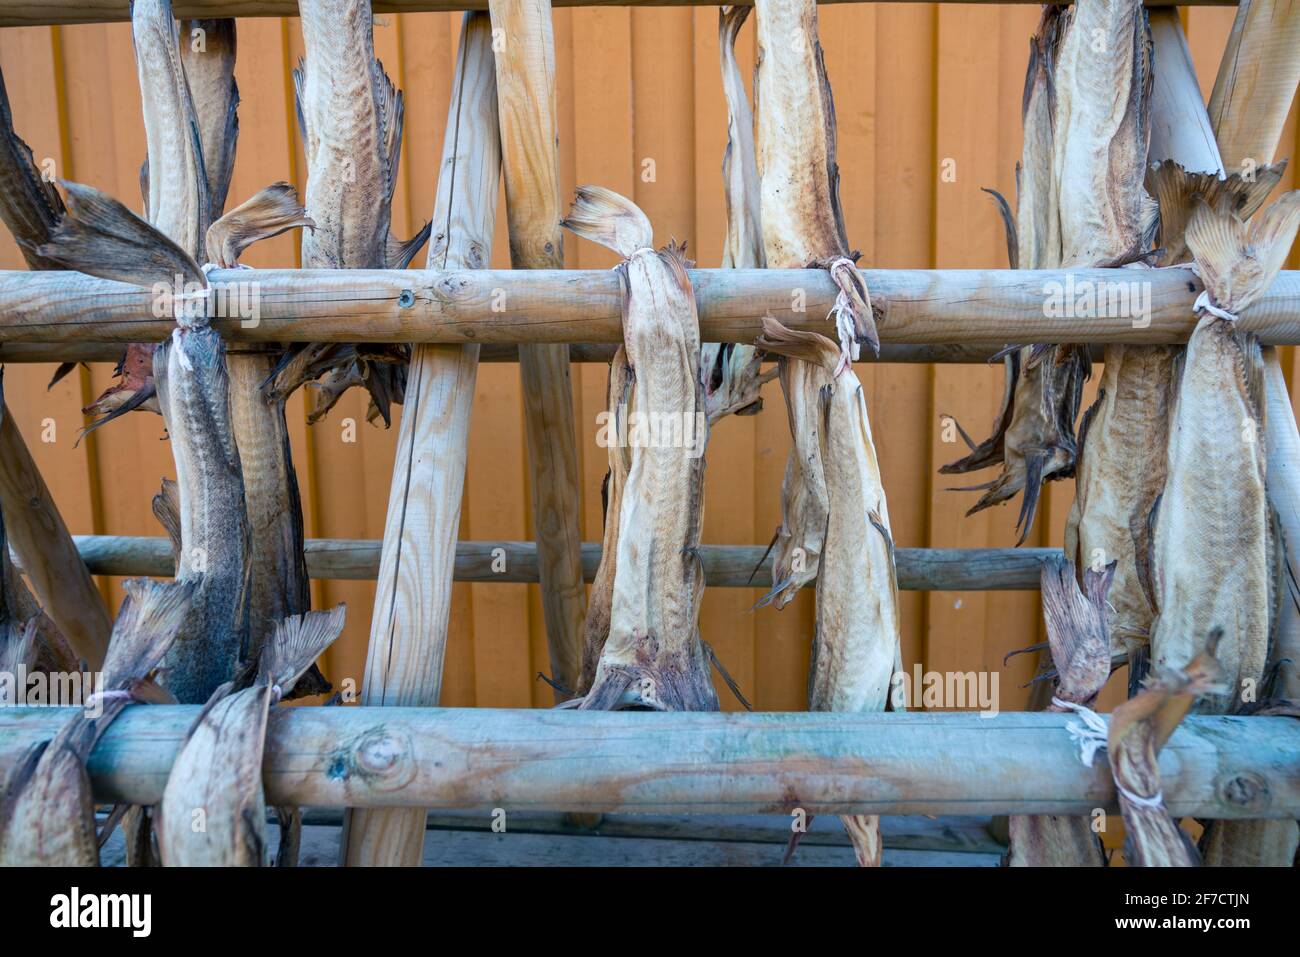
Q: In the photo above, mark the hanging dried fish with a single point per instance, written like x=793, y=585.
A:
x=1081, y=204
x=29, y=204
x=101, y=237
x=856, y=650
x=654, y=657
x=350, y=116
x=1138, y=730
x=1212, y=565
x=47, y=812
x=217, y=775
x=1079, y=638
x=733, y=376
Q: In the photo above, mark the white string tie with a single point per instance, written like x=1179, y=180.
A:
x=1090, y=736
x=1203, y=304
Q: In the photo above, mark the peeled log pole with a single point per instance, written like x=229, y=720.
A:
x=42, y=545
x=725, y=566
x=695, y=762
x=29, y=13
x=934, y=307
x=408, y=629
x=525, y=69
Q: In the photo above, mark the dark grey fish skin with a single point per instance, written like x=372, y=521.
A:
x=193, y=391
x=29, y=205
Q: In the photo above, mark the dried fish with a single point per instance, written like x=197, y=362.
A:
x=29, y=204
x=217, y=775
x=351, y=117
x=1082, y=203
x=1212, y=566
x=47, y=812
x=1079, y=638
x=733, y=376
x=207, y=49
x=1138, y=730
x=856, y=651
x=653, y=657
x=101, y=237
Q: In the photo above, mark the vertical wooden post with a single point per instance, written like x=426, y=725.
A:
x=408, y=631
x=525, y=67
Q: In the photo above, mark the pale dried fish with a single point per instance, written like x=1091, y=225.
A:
x=1212, y=565
x=856, y=651
x=29, y=204
x=653, y=657
x=732, y=372
x=47, y=812
x=217, y=775
x=207, y=50
x=1138, y=730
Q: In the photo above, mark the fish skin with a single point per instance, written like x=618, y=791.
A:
x=210, y=74
x=178, y=200
x=653, y=657
x=193, y=390
x=29, y=205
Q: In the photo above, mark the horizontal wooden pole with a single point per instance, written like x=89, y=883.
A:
x=895, y=763
x=926, y=307
x=29, y=13
x=725, y=566
x=970, y=353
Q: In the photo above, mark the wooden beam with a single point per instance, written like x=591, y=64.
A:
x=695, y=762
x=525, y=66
x=973, y=353
x=43, y=547
x=32, y=13
x=504, y=562
x=917, y=306
x=408, y=629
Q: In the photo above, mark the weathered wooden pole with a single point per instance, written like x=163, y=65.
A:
x=408, y=629
x=695, y=762
x=525, y=67
x=949, y=307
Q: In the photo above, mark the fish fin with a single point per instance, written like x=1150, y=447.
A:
x=299, y=80
x=166, y=506
x=296, y=642
x=795, y=344
x=270, y=212
x=1008, y=225
x=770, y=545
x=726, y=676
x=101, y=237
x=399, y=254
x=137, y=399
x=1175, y=190
x=1236, y=261
x=615, y=222
x=389, y=103
x=993, y=449
x=146, y=626
x=60, y=373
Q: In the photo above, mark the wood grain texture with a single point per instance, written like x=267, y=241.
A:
x=40, y=540
x=696, y=762
x=505, y=562
x=34, y=13
x=1256, y=81
x=525, y=66
x=409, y=626
x=551, y=306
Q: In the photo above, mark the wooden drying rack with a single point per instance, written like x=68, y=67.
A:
x=420, y=757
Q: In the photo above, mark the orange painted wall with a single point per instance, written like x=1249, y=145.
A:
x=914, y=84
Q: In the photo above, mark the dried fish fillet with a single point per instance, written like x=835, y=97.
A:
x=653, y=657
x=1212, y=566
x=47, y=812
x=732, y=372
x=1138, y=730
x=856, y=650
x=600, y=604
x=101, y=237
x=1079, y=638
x=216, y=778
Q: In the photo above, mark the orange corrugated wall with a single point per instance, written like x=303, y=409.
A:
x=914, y=85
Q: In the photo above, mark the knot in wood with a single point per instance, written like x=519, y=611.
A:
x=1246, y=790
x=378, y=759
